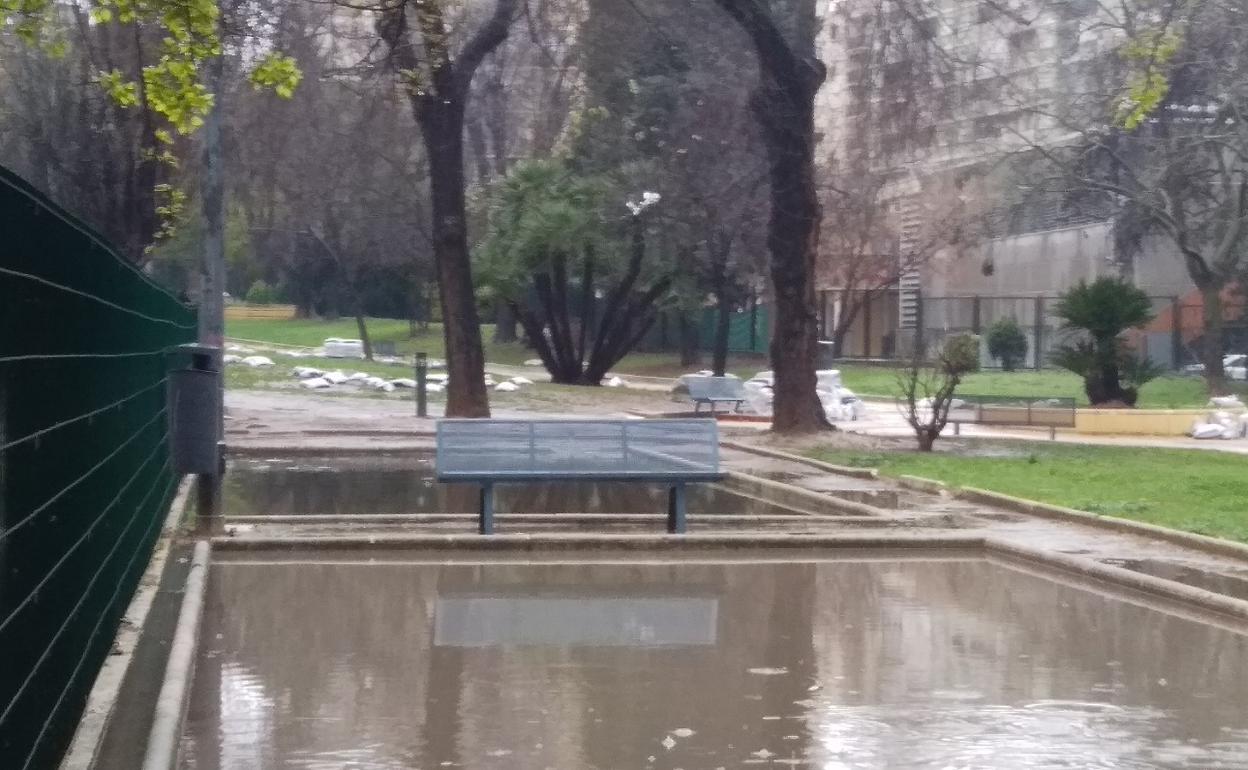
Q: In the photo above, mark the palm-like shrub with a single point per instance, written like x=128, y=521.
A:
x=1096, y=314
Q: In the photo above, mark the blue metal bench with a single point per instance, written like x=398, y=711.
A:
x=489, y=452
x=715, y=390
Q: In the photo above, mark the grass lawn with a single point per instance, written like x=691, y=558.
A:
x=1164, y=393
x=1197, y=491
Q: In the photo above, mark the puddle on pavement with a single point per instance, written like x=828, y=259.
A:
x=1234, y=584
x=655, y=664
x=405, y=484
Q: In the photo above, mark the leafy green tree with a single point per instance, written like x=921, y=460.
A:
x=1097, y=314
x=568, y=255
x=1007, y=343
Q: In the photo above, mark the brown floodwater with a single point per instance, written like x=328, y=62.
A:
x=847, y=663
x=405, y=484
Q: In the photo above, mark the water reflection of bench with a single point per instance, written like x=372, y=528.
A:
x=714, y=391
x=489, y=452
x=499, y=619
x=1025, y=411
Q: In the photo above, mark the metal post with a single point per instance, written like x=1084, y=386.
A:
x=920, y=352
x=486, y=525
x=866, y=324
x=676, y=509
x=976, y=314
x=1176, y=334
x=422, y=378
x=1038, y=342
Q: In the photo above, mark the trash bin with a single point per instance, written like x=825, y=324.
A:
x=827, y=354
x=194, y=409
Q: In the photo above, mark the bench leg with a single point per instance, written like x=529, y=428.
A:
x=957, y=429
x=486, y=524
x=1052, y=433
x=676, y=509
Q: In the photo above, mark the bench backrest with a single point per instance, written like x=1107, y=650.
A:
x=1041, y=411
x=715, y=388
x=478, y=450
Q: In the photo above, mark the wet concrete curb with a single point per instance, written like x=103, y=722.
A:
x=869, y=474
x=1122, y=578
x=1202, y=543
x=84, y=750
x=466, y=543
x=782, y=493
x=166, y=733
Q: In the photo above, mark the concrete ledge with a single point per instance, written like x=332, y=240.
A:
x=102, y=700
x=1120, y=577
x=1138, y=422
x=166, y=734
x=539, y=518
x=1045, y=510
x=472, y=543
x=843, y=470
x=1180, y=599
x=287, y=450
x=781, y=493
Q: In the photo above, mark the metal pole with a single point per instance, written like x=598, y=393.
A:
x=422, y=377
x=212, y=284
x=1176, y=334
x=1038, y=343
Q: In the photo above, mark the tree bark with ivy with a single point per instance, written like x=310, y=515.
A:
x=437, y=81
x=785, y=107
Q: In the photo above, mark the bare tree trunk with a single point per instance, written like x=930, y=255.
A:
x=723, y=325
x=785, y=107
x=504, y=322
x=689, y=353
x=438, y=100
x=443, y=128
x=1211, y=349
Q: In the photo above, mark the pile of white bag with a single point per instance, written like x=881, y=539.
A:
x=317, y=379
x=1223, y=423
x=840, y=404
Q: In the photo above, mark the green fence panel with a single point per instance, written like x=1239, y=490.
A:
x=749, y=331
x=85, y=476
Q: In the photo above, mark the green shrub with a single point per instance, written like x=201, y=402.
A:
x=1007, y=343
x=960, y=355
x=261, y=293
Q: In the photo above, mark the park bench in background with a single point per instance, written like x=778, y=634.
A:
x=1020, y=411
x=715, y=390
x=490, y=452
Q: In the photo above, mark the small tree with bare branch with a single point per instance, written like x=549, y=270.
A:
x=927, y=389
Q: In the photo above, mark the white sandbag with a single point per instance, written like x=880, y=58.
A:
x=507, y=387
x=521, y=381
x=435, y=387
x=489, y=381
x=335, y=377
x=373, y=382
x=336, y=347
x=441, y=379
x=827, y=379
x=240, y=349
x=316, y=383
x=615, y=382
x=358, y=377
x=306, y=372
x=403, y=382
x=1205, y=430
x=534, y=362
x=293, y=353
x=230, y=358
x=257, y=361
x=1226, y=402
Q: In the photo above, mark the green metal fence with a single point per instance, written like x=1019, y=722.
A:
x=85, y=476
